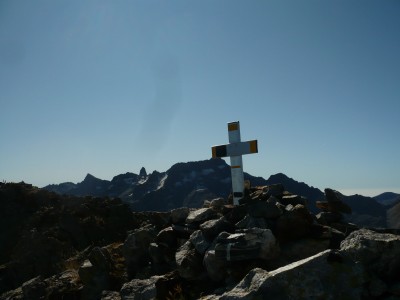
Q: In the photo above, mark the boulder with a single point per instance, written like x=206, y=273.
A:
x=167, y=237
x=251, y=222
x=201, y=215
x=299, y=249
x=332, y=195
x=336, y=207
x=274, y=190
x=110, y=295
x=189, y=262
x=293, y=200
x=86, y=272
x=246, y=245
x=325, y=275
x=217, y=203
x=294, y=223
x=212, y=228
x=140, y=289
x=156, y=253
x=376, y=287
x=344, y=227
x=64, y=285
x=326, y=217
x=262, y=209
x=216, y=267
x=200, y=243
x=179, y=215
x=334, y=203
x=258, y=195
x=34, y=288
x=236, y=213
x=162, y=258
x=379, y=252
x=135, y=248
x=335, y=237
x=100, y=259
x=184, y=231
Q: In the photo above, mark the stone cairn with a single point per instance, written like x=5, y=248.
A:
x=268, y=246
x=212, y=248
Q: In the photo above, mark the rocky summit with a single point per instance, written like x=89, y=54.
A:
x=271, y=246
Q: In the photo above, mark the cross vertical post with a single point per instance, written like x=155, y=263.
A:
x=235, y=149
x=236, y=164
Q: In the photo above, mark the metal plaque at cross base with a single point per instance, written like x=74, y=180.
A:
x=235, y=149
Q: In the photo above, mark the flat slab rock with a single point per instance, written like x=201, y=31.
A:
x=323, y=276
x=201, y=215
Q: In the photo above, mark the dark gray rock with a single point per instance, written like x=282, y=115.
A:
x=332, y=195
x=136, y=248
x=250, y=222
x=379, y=252
x=335, y=236
x=334, y=203
x=184, y=231
x=394, y=289
x=179, y=215
x=212, y=228
x=217, y=202
x=376, y=287
x=326, y=218
x=140, y=289
x=162, y=258
x=248, y=244
x=110, y=295
x=200, y=243
x=293, y=200
x=34, y=288
x=299, y=249
x=316, y=277
x=216, y=267
x=344, y=227
x=201, y=215
x=156, y=253
x=86, y=272
x=262, y=209
x=100, y=259
x=258, y=195
x=189, y=262
x=167, y=237
x=274, y=190
x=294, y=223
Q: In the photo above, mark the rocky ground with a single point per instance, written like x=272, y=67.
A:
x=271, y=246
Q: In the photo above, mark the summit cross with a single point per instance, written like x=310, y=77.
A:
x=235, y=149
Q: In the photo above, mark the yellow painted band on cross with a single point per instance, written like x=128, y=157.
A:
x=253, y=146
x=233, y=126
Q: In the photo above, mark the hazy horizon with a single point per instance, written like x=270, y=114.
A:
x=348, y=192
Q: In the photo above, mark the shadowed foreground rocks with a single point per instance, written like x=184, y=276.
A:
x=269, y=247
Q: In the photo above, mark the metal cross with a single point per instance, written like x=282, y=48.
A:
x=235, y=149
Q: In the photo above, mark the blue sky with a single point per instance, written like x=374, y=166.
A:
x=106, y=87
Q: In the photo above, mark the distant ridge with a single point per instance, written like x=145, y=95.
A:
x=388, y=198
x=189, y=184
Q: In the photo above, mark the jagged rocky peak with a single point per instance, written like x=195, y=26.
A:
x=90, y=177
x=142, y=172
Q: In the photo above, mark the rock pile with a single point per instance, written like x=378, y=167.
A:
x=268, y=246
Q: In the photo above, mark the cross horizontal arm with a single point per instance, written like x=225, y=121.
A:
x=235, y=149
